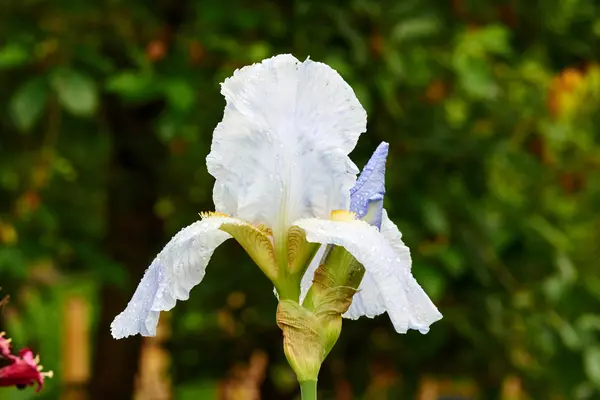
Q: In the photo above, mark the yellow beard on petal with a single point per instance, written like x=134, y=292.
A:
x=208, y=214
x=299, y=251
x=255, y=240
x=263, y=228
x=343, y=215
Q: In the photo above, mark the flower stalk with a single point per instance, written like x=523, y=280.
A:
x=308, y=390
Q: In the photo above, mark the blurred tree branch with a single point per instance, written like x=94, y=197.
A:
x=134, y=233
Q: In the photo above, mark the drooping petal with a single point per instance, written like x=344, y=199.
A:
x=407, y=305
x=179, y=267
x=366, y=197
x=368, y=301
x=280, y=152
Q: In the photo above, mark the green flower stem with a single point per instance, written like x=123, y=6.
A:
x=308, y=390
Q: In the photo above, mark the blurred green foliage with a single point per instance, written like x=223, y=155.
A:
x=491, y=110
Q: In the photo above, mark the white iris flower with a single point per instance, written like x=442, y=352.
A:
x=280, y=160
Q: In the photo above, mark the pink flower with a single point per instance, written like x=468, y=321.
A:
x=5, y=346
x=23, y=370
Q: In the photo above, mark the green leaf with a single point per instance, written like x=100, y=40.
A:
x=28, y=103
x=553, y=287
x=76, y=92
x=415, y=28
x=417, y=68
x=569, y=336
x=567, y=269
x=589, y=322
x=456, y=110
x=132, y=85
x=13, y=55
x=551, y=233
x=591, y=364
x=494, y=39
x=588, y=327
x=180, y=94
x=592, y=284
x=258, y=51
x=477, y=80
x=12, y=261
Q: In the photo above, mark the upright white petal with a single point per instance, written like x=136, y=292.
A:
x=368, y=301
x=281, y=151
x=174, y=272
x=407, y=305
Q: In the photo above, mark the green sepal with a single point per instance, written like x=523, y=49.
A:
x=309, y=334
x=339, y=269
x=303, y=339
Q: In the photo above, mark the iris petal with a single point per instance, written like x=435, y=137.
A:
x=407, y=305
x=281, y=151
x=179, y=267
x=368, y=301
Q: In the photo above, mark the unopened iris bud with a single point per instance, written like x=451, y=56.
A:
x=366, y=197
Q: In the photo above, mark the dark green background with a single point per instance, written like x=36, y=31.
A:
x=490, y=109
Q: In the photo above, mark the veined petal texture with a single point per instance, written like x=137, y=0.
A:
x=281, y=151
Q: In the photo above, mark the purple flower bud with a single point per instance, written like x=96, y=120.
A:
x=366, y=197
